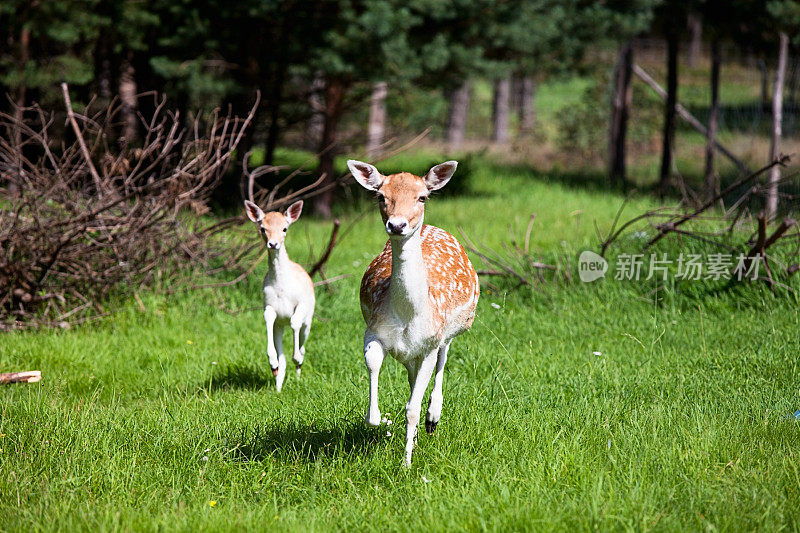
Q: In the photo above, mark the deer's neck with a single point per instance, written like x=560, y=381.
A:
x=278, y=262
x=408, y=287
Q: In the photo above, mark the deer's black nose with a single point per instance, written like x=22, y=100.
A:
x=395, y=228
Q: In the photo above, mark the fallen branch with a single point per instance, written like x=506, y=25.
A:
x=784, y=226
x=237, y=279
x=614, y=233
x=488, y=260
x=759, y=249
x=31, y=376
x=514, y=262
x=85, y=151
x=256, y=173
x=666, y=228
x=328, y=281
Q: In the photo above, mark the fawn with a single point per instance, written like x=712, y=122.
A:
x=288, y=289
x=417, y=295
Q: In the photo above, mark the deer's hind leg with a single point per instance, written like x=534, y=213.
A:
x=300, y=324
x=280, y=375
x=434, y=413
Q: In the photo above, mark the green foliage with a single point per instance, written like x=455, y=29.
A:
x=413, y=109
x=60, y=36
x=548, y=37
x=786, y=14
x=199, y=54
x=201, y=85
x=583, y=127
x=365, y=40
x=450, y=39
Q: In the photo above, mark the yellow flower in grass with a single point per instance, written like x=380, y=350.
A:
x=212, y=503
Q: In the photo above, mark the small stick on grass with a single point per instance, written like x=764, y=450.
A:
x=31, y=376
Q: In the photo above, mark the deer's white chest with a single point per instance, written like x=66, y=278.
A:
x=404, y=339
x=284, y=291
x=281, y=298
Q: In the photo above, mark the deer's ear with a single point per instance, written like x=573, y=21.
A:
x=254, y=212
x=365, y=174
x=293, y=213
x=438, y=176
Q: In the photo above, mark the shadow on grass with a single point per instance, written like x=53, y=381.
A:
x=294, y=441
x=240, y=377
x=584, y=179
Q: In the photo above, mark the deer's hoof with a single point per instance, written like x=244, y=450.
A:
x=275, y=372
x=430, y=426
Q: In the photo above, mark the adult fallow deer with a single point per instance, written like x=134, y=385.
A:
x=417, y=295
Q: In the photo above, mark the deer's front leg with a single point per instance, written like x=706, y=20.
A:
x=269, y=318
x=373, y=357
x=414, y=405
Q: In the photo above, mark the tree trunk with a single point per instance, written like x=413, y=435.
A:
x=623, y=94
x=669, y=111
x=711, y=182
x=316, y=122
x=127, y=96
x=500, y=110
x=695, y=24
x=376, y=128
x=527, y=105
x=777, y=116
x=457, y=119
x=102, y=67
x=335, y=90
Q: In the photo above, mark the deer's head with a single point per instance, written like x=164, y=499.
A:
x=273, y=225
x=401, y=197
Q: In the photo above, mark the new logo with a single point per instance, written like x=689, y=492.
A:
x=591, y=266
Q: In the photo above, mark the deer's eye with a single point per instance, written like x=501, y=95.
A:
x=422, y=199
x=284, y=229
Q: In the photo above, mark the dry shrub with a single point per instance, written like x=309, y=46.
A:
x=84, y=213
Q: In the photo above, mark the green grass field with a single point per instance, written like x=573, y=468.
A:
x=567, y=406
